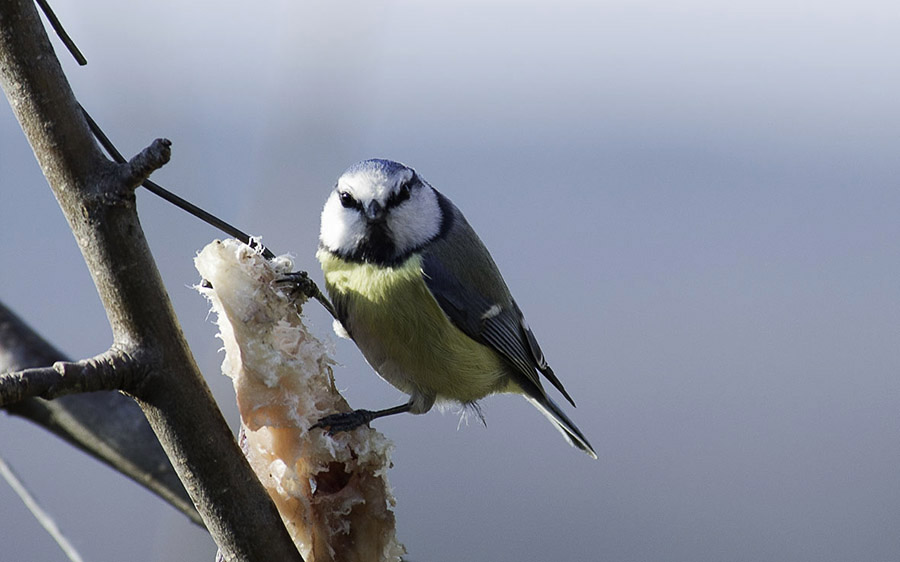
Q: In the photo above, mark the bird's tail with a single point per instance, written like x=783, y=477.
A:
x=562, y=423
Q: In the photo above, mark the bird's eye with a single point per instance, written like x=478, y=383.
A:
x=347, y=200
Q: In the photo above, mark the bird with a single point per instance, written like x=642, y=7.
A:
x=412, y=284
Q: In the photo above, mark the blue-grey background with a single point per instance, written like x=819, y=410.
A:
x=695, y=203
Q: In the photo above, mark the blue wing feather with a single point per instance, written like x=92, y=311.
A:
x=506, y=331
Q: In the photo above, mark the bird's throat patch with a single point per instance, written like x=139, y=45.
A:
x=368, y=280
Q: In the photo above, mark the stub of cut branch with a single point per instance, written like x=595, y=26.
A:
x=147, y=161
x=332, y=492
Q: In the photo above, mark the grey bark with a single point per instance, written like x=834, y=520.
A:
x=97, y=198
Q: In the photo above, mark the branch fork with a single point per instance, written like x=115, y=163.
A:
x=234, y=506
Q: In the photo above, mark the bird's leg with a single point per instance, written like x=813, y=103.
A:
x=299, y=282
x=335, y=423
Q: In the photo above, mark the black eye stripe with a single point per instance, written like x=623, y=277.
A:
x=403, y=193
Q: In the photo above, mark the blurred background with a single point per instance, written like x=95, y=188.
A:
x=696, y=204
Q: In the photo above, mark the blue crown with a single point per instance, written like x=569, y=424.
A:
x=376, y=165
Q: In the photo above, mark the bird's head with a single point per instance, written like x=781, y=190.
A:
x=379, y=212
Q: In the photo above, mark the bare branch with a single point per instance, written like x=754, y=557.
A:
x=173, y=395
x=111, y=370
x=107, y=425
x=179, y=202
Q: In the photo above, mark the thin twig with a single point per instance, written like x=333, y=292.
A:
x=154, y=187
x=61, y=33
x=171, y=197
x=201, y=214
x=117, y=156
x=42, y=516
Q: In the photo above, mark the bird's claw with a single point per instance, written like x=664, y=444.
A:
x=346, y=421
x=298, y=283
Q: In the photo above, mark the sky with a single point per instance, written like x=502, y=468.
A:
x=694, y=203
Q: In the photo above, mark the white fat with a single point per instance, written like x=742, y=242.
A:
x=283, y=384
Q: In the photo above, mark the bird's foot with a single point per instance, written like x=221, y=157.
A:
x=298, y=283
x=347, y=421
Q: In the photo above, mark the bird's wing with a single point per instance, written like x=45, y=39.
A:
x=500, y=326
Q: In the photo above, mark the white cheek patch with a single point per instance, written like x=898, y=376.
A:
x=342, y=229
x=415, y=221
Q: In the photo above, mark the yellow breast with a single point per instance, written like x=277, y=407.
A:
x=404, y=334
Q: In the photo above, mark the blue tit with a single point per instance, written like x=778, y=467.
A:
x=417, y=291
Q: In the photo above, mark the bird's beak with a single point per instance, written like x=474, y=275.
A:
x=374, y=212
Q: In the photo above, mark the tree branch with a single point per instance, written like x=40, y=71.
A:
x=179, y=202
x=101, y=213
x=146, y=162
x=111, y=370
x=107, y=425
